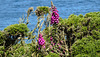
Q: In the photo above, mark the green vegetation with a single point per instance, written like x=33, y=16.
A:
x=78, y=28
x=2, y=37
x=42, y=10
x=17, y=29
x=77, y=36
x=87, y=46
x=52, y=55
x=10, y=36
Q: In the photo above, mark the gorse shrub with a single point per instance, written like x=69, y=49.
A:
x=17, y=29
x=11, y=33
x=78, y=27
x=86, y=45
x=2, y=37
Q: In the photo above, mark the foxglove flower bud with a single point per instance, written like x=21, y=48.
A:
x=51, y=38
x=50, y=46
x=41, y=41
x=59, y=47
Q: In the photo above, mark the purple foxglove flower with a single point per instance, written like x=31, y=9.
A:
x=51, y=42
x=52, y=51
x=58, y=44
x=39, y=48
x=59, y=47
x=50, y=46
x=61, y=41
x=40, y=35
x=61, y=54
x=41, y=41
x=51, y=38
x=55, y=16
x=63, y=51
x=43, y=46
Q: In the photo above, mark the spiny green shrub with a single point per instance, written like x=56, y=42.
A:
x=2, y=37
x=78, y=27
x=2, y=42
x=1, y=51
x=86, y=45
x=95, y=34
x=97, y=44
x=17, y=29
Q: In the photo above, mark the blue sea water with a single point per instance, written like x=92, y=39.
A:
x=12, y=10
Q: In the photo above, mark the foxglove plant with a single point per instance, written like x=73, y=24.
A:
x=41, y=41
x=51, y=39
x=55, y=15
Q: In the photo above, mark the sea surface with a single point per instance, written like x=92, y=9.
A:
x=12, y=10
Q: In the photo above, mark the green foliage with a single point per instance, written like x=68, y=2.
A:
x=52, y=55
x=46, y=34
x=92, y=14
x=82, y=55
x=95, y=34
x=77, y=29
x=81, y=26
x=95, y=20
x=11, y=34
x=42, y=10
x=2, y=37
x=86, y=45
x=1, y=50
x=17, y=29
x=19, y=50
x=97, y=44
